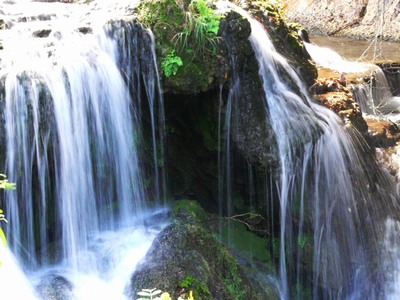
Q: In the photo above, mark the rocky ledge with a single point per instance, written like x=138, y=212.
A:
x=363, y=19
x=334, y=94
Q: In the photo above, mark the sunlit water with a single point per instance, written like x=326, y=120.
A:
x=359, y=50
x=71, y=126
x=374, y=97
x=323, y=189
x=107, y=264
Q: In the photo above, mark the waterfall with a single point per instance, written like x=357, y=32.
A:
x=392, y=258
x=325, y=190
x=373, y=96
x=72, y=97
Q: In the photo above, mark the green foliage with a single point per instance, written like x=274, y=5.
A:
x=4, y=184
x=187, y=282
x=171, y=63
x=250, y=246
x=200, y=29
x=203, y=291
x=188, y=27
x=200, y=288
x=274, y=8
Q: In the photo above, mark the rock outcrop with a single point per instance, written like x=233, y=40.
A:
x=188, y=257
x=364, y=18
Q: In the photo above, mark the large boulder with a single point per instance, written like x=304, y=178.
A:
x=188, y=257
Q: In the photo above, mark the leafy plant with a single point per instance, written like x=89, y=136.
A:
x=4, y=184
x=2, y=235
x=171, y=63
x=200, y=28
x=187, y=282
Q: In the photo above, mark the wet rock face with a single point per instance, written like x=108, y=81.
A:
x=287, y=37
x=334, y=94
x=383, y=134
x=55, y=287
x=392, y=73
x=252, y=133
x=232, y=65
x=385, y=137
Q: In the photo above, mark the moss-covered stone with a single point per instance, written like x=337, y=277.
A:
x=189, y=210
x=173, y=23
x=187, y=257
x=246, y=244
x=285, y=36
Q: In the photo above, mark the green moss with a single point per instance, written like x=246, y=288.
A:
x=187, y=282
x=202, y=291
x=192, y=207
x=285, y=36
x=304, y=240
x=220, y=259
x=199, y=288
x=250, y=246
x=189, y=28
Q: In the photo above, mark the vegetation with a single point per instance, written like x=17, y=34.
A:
x=171, y=63
x=190, y=283
x=4, y=184
x=200, y=28
x=186, y=33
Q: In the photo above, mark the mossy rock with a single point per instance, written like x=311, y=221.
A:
x=188, y=257
x=173, y=24
x=184, y=250
x=285, y=36
x=189, y=211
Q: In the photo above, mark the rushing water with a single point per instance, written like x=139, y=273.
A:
x=375, y=96
x=325, y=192
x=71, y=97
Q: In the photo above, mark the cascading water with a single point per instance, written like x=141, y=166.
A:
x=71, y=125
x=374, y=97
x=325, y=193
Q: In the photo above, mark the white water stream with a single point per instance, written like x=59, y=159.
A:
x=71, y=126
x=375, y=97
x=321, y=174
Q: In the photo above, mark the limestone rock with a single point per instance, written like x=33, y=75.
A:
x=333, y=94
x=364, y=19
